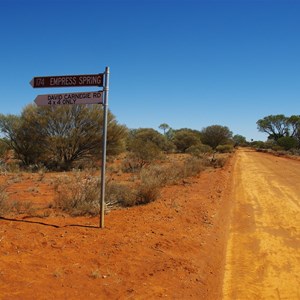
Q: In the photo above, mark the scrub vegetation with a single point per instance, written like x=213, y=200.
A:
x=283, y=135
x=67, y=140
x=140, y=161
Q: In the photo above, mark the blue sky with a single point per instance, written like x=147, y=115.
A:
x=186, y=63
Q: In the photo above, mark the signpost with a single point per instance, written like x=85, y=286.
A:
x=67, y=81
x=99, y=97
x=70, y=99
x=104, y=138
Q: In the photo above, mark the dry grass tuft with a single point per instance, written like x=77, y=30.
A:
x=77, y=195
x=4, y=206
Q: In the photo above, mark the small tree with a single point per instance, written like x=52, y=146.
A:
x=186, y=138
x=239, y=140
x=215, y=135
x=164, y=127
x=3, y=147
x=276, y=126
x=144, y=152
x=149, y=135
x=26, y=142
x=61, y=135
x=294, y=124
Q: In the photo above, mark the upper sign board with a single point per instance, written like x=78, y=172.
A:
x=67, y=81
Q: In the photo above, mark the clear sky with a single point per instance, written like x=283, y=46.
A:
x=187, y=63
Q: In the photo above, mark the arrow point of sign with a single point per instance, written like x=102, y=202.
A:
x=31, y=82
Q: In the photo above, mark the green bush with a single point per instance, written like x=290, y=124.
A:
x=185, y=139
x=295, y=151
x=3, y=147
x=277, y=148
x=215, y=135
x=225, y=148
x=199, y=150
x=141, y=153
x=146, y=135
x=65, y=135
x=287, y=142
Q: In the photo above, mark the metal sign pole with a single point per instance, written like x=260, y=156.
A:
x=104, y=139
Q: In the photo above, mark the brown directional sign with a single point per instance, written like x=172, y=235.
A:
x=70, y=99
x=67, y=81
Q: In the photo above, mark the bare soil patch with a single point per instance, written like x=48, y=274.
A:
x=171, y=248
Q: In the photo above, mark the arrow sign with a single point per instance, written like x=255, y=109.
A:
x=67, y=81
x=70, y=99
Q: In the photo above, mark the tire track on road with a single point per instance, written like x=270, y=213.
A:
x=263, y=251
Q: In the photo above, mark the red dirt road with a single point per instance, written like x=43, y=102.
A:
x=172, y=248
x=263, y=253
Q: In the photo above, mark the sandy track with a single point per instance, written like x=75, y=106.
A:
x=263, y=252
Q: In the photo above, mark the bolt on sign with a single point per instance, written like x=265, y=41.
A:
x=98, y=97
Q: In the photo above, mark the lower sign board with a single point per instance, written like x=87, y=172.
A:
x=70, y=99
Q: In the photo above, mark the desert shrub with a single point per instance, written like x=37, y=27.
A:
x=65, y=135
x=155, y=172
x=287, y=142
x=215, y=135
x=225, y=148
x=131, y=164
x=148, y=190
x=3, y=147
x=154, y=177
x=4, y=206
x=3, y=167
x=294, y=151
x=141, y=154
x=77, y=195
x=193, y=166
x=22, y=207
x=146, y=135
x=145, y=192
x=175, y=172
x=277, y=148
x=239, y=140
x=145, y=152
x=218, y=162
x=117, y=194
x=13, y=167
x=80, y=194
x=171, y=173
x=186, y=138
x=199, y=150
x=258, y=145
x=164, y=174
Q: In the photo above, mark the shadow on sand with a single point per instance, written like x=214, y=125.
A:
x=46, y=224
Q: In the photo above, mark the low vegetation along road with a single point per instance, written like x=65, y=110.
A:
x=263, y=251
